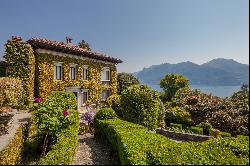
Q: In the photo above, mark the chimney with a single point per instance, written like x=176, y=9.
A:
x=68, y=39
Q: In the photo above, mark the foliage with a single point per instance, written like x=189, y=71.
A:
x=21, y=65
x=3, y=67
x=11, y=92
x=105, y=113
x=140, y=104
x=177, y=115
x=47, y=84
x=225, y=134
x=114, y=101
x=175, y=125
x=137, y=146
x=11, y=155
x=171, y=83
x=124, y=80
x=206, y=127
x=63, y=150
x=228, y=114
x=83, y=44
x=161, y=114
x=214, y=132
x=196, y=130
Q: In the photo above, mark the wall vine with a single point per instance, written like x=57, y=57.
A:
x=47, y=84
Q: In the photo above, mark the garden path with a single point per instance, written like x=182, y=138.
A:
x=91, y=152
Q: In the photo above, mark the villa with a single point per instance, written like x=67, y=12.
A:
x=63, y=66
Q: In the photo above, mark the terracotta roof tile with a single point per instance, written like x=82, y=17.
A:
x=71, y=49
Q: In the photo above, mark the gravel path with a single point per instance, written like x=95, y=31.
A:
x=91, y=152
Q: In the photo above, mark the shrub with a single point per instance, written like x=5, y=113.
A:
x=12, y=154
x=206, y=127
x=105, y=113
x=177, y=115
x=65, y=100
x=225, y=134
x=174, y=125
x=11, y=92
x=140, y=104
x=137, y=146
x=228, y=114
x=214, y=132
x=114, y=102
x=196, y=130
x=63, y=150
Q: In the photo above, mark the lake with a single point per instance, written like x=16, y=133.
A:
x=220, y=91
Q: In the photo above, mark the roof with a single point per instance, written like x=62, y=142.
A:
x=70, y=49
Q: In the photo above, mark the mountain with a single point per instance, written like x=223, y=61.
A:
x=215, y=72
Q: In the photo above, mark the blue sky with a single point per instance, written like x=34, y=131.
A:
x=140, y=32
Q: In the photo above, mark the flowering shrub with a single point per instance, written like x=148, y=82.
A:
x=88, y=117
x=228, y=114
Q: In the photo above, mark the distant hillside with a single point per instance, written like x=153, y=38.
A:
x=215, y=72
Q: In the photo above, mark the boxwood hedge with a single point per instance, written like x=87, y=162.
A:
x=136, y=145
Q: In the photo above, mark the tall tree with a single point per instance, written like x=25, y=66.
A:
x=83, y=44
x=171, y=83
x=124, y=80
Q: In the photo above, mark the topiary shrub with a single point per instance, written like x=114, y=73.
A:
x=196, y=130
x=11, y=91
x=105, y=113
x=177, y=115
x=140, y=104
x=20, y=58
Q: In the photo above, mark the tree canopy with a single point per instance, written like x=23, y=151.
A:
x=124, y=80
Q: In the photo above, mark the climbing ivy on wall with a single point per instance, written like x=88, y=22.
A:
x=21, y=65
x=47, y=84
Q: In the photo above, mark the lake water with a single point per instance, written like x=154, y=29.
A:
x=220, y=91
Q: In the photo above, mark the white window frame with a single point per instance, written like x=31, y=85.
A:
x=104, y=71
x=70, y=74
x=58, y=64
x=85, y=76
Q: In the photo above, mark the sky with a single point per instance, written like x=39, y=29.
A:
x=139, y=32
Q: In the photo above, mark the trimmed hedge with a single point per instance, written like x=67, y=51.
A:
x=11, y=91
x=196, y=130
x=175, y=125
x=63, y=150
x=12, y=154
x=137, y=146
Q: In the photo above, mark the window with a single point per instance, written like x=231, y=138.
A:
x=105, y=75
x=73, y=72
x=58, y=71
x=85, y=96
x=85, y=72
x=105, y=94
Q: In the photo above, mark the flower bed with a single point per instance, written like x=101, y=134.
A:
x=136, y=145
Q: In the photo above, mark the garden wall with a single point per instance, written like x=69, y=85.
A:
x=182, y=136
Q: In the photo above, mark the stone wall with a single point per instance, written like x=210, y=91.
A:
x=182, y=136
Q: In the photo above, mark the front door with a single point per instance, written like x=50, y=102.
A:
x=77, y=91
